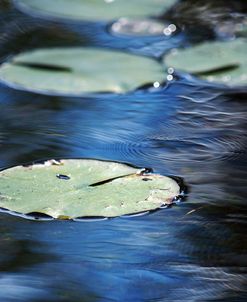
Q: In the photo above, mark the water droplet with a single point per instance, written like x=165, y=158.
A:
x=146, y=179
x=63, y=177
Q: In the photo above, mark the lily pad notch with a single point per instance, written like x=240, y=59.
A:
x=82, y=188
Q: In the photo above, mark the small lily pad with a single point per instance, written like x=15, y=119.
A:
x=141, y=27
x=75, y=71
x=96, y=10
x=88, y=188
x=223, y=62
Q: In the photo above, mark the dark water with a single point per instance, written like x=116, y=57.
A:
x=195, y=251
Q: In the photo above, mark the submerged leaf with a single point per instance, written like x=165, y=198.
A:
x=96, y=10
x=85, y=188
x=224, y=62
x=142, y=27
x=75, y=71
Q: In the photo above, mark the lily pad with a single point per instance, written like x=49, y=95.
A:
x=75, y=188
x=142, y=27
x=75, y=71
x=94, y=10
x=223, y=62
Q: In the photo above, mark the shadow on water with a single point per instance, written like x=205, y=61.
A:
x=195, y=251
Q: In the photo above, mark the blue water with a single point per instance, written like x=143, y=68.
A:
x=194, y=251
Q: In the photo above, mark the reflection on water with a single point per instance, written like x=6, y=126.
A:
x=195, y=251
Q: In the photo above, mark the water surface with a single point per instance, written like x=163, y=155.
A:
x=195, y=251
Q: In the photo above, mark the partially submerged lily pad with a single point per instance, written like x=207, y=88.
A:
x=75, y=71
x=83, y=188
x=142, y=27
x=96, y=10
x=223, y=62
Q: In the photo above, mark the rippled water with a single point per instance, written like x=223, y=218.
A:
x=195, y=251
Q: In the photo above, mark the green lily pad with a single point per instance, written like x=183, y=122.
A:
x=223, y=62
x=73, y=188
x=94, y=10
x=75, y=71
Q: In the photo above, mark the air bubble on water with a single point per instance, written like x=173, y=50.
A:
x=172, y=27
x=167, y=31
x=169, y=77
x=170, y=70
x=156, y=84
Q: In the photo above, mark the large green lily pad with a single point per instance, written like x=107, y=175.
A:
x=75, y=71
x=94, y=10
x=80, y=188
x=223, y=62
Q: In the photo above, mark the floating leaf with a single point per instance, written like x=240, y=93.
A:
x=141, y=27
x=94, y=10
x=138, y=27
x=76, y=71
x=83, y=188
x=224, y=62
